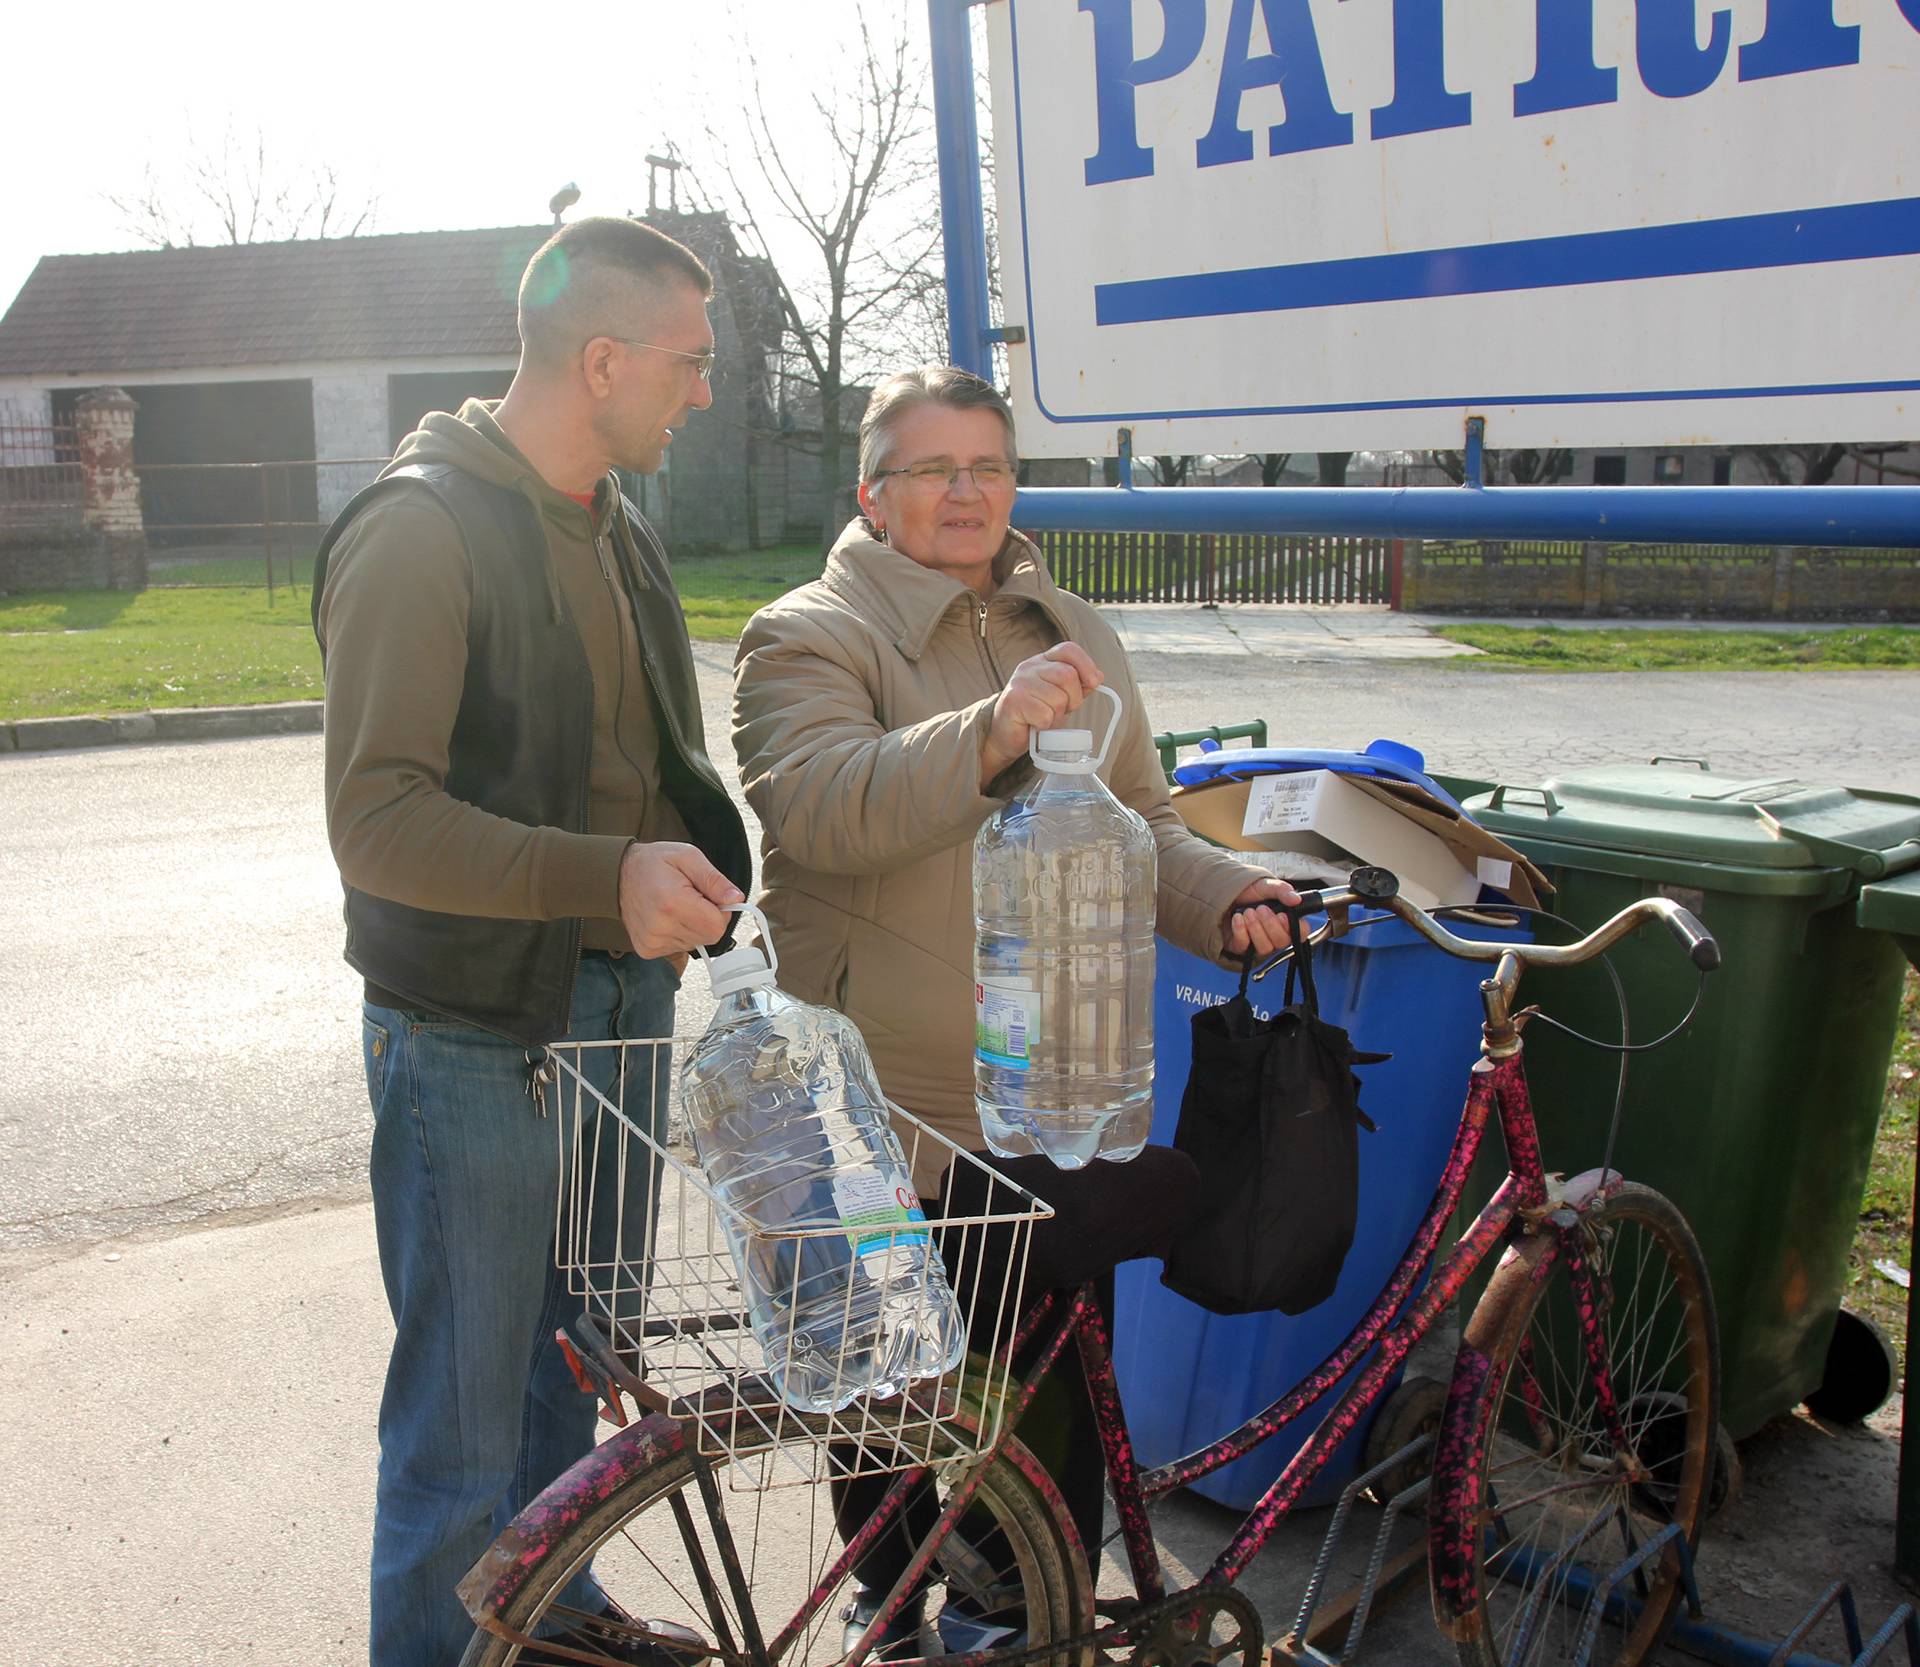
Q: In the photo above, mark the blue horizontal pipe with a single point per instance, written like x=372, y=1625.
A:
x=1854, y=516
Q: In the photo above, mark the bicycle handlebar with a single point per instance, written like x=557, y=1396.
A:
x=1379, y=888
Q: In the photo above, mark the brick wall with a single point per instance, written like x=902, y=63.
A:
x=73, y=560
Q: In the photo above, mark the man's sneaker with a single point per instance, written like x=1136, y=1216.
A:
x=964, y=1630
x=898, y=1640
x=616, y=1636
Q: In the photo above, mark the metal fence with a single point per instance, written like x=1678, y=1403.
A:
x=1222, y=567
x=42, y=489
x=243, y=523
x=1518, y=576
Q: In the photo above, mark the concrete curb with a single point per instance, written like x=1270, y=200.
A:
x=184, y=723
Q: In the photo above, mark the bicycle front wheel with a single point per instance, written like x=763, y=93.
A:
x=658, y=1544
x=1539, y=1505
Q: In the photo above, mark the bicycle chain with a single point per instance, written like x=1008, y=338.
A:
x=1184, y=1623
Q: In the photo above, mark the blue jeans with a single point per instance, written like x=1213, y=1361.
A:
x=480, y=1411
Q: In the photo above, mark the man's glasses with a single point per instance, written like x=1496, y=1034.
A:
x=702, y=362
x=944, y=476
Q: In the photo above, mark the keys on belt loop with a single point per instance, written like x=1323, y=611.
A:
x=541, y=1071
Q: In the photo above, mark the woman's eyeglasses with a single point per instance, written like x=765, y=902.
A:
x=944, y=476
x=702, y=362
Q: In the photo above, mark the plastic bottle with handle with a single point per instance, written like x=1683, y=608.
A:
x=791, y=1130
x=1064, y=880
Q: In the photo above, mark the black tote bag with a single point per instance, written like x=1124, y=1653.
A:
x=1270, y=1117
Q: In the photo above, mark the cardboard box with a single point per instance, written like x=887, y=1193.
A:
x=1440, y=857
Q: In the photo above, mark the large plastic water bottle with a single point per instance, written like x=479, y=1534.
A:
x=1063, y=898
x=791, y=1130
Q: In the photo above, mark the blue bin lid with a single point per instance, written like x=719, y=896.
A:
x=1389, y=760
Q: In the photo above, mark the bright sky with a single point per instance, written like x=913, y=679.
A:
x=452, y=121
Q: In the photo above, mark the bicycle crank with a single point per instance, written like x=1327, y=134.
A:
x=1202, y=1629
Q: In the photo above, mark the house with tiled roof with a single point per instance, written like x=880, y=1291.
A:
x=324, y=352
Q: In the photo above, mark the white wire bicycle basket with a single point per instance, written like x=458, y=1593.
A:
x=644, y=1242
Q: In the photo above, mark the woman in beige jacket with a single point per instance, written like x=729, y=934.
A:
x=881, y=714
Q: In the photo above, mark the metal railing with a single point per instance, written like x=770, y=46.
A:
x=42, y=487
x=1221, y=567
x=243, y=523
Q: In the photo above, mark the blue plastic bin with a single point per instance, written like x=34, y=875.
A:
x=1189, y=1377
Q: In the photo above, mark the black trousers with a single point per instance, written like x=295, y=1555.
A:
x=1105, y=1214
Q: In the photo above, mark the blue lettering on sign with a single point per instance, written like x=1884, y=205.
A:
x=1421, y=102
x=1117, y=72
x=1673, y=64
x=1800, y=35
x=1565, y=77
x=1293, y=65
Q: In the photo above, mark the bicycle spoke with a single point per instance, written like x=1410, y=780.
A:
x=1563, y=1508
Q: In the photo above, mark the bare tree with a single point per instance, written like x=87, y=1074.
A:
x=873, y=248
x=1795, y=465
x=236, y=193
x=926, y=334
x=1535, y=466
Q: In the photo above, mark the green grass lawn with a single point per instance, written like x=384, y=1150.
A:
x=214, y=566
x=720, y=593
x=1627, y=648
x=84, y=651
x=65, y=652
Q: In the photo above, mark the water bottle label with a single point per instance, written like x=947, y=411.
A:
x=877, y=1210
x=1006, y=1019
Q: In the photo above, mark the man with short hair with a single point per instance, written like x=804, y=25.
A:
x=531, y=837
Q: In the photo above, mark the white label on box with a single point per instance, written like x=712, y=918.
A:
x=1493, y=872
x=1281, y=804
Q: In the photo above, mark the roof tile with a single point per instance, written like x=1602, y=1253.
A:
x=400, y=295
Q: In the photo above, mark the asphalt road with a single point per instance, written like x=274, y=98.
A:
x=182, y=1032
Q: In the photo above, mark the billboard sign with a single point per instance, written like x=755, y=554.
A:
x=1276, y=225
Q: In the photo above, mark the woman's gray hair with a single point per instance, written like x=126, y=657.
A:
x=929, y=385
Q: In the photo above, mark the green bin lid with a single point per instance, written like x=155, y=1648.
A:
x=1689, y=813
x=1893, y=906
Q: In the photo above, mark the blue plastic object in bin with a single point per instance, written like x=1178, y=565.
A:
x=1189, y=1377
x=1386, y=760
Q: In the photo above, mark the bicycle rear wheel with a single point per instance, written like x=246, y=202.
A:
x=654, y=1541
x=1536, y=1505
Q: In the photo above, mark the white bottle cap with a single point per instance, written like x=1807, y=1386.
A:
x=1059, y=741
x=1065, y=751
x=744, y=967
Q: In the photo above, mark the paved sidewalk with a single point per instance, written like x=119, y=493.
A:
x=1280, y=631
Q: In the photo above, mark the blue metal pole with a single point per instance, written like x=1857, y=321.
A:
x=962, y=212
x=1868, y=516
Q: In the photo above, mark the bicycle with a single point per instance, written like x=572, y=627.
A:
x=1575, y=1450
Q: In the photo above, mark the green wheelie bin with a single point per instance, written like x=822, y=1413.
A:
x=1759, y=1122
